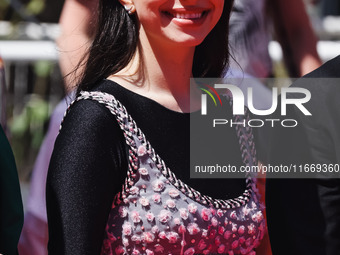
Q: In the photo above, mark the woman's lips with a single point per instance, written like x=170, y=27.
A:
x=187, y=17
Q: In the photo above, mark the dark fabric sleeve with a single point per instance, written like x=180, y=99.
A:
x=318, y=198
x=323, y=131
x=294, y=216
x=11, y=211
x=329, y=193
x=87, y=169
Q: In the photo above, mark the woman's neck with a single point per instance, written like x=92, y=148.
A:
x=166, y=73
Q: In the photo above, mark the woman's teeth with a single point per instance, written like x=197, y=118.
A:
x=187, y=15
x=197, y=15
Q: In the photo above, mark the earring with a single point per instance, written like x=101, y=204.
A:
x=130, y=9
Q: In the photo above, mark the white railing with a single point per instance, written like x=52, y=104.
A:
x=28, y=50
x=47, y=50
x=326, y=50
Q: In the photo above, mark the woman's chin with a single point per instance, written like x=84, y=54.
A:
x=187, y=40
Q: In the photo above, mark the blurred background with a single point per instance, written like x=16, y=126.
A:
x=34, y=84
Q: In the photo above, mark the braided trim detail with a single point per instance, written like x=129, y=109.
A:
x=130, y=130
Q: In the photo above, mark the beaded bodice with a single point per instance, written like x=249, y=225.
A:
x=156, y=213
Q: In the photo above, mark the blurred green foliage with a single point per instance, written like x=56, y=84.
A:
x=19, y=10
x=27, y=133
x=28, y=127
x=15, y=11
x=35, y=7
x=42, y=68
x=31, y=121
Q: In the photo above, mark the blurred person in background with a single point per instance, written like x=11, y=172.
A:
x=11, y=209
x=3, y=89
x=250, y=34
x=34, y=236
x=77, y=23
x=305, y=211
x=294, y=32
x=251, y=31
x=253, y=24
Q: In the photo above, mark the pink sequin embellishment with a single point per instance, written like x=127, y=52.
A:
x=214, y=222
x=220, y=213
x=227, y=235
x=162, y=235
x=148, y=252
x=134, y=190
x=190, y=251
x=143, y=171
x=164, y=216
x=192, y=208
x=257, y=217
x=135, y=252
x=158, y=185
x=241, y=230
x=202, y=245
x=135, y=217
x=184, y=213
x=144, y=201
x=159, y=248
x=206, y=213
x=221, y=249
x=154, y=229
x=148, y=237
x=193, y=229
x=127, y=228
x=233, y=215
x=150, y=216
x=170, y=203
x=141, y=151
x=156, y=198
x=173, y=193
x=251, y=229
x=172, y=237
x=177, y=221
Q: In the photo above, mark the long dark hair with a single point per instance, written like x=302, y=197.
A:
x=117, y=40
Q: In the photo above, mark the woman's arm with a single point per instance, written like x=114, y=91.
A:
x=87, y=169
x=77, y=23
x=296, y=36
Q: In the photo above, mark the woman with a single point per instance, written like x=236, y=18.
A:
x=108, y=190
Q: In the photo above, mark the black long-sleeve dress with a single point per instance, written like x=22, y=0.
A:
x=81, y=187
